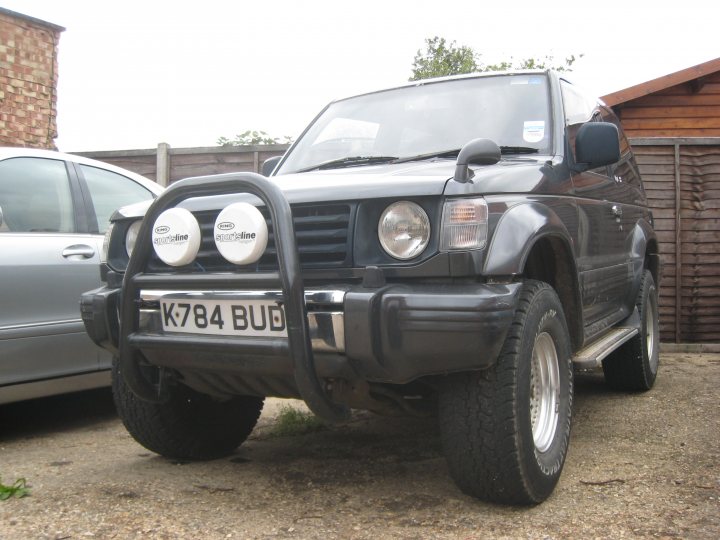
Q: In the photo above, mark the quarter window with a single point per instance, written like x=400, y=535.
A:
x=109, y=191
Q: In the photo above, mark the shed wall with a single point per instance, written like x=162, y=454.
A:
x=691, y=109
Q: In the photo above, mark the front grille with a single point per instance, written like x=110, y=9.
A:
x=322, y=233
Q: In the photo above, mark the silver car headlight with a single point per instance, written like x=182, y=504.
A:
x=404, y=230
x=106, y=244
x=131, y=236
x=464, y=224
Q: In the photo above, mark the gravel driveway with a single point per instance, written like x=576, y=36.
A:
x=640, y=466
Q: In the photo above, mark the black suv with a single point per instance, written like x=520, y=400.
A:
x=452, y=246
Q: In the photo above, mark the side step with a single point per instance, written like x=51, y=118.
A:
x=592, y=355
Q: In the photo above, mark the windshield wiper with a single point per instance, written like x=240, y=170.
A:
x=350, y=161
x=440, y=154
x=518, y=150
x=451, y=154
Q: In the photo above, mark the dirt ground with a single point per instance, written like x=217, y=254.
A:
x=639, y=466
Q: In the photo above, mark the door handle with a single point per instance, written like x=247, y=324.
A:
x=78, y=251
x=617, y=210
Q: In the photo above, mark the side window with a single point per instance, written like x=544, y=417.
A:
x=626, y=169
x=109, y=191
x=578, y=108
x=35, y=196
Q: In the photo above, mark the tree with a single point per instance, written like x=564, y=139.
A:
x=253, y=137
x=441, y=59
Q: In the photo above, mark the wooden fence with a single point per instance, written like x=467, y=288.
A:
x=165, y=164
x=682, y=181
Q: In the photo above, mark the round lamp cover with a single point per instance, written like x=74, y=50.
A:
x=241, y=233
x=176, y=237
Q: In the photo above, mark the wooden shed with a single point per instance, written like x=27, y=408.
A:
x=673, y=123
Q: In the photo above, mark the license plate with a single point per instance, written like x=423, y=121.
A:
x=252, y=318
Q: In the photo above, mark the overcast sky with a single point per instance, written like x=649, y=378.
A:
x=134, y=73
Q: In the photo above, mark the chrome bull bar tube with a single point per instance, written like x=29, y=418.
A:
x=288, y=280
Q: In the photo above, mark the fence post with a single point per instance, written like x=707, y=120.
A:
x=678, y=246
x=162, y=175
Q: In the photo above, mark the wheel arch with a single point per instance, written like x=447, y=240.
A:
x=645, y=252
x=550, y=260
x=531, y=240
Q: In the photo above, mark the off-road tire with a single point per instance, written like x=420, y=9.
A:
x=187, y=425
x=635, y=364
x=485, y=416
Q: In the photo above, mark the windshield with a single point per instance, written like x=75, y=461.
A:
x=426, y=120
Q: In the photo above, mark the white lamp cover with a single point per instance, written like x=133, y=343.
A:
x=241, y=233
x=176, y=237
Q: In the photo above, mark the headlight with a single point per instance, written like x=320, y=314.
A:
x=106, y=244
x=131, y=237
x=404, y=230
x=465, y=224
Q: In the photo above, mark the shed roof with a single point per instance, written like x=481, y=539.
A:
x=39, y=22
x=661, y=83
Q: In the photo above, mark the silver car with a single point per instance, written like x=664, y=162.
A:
x=54, y=211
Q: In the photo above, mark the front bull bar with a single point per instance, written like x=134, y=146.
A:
x=288, y=279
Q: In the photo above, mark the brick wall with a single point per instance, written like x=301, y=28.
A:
x=28, y=81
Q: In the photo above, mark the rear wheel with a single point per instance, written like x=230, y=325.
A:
x=187, y=424
x=635, y=364
x=506, y=430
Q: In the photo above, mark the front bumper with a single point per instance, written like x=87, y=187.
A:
x=394, y=334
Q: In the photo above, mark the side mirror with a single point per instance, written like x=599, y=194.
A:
x=269, y=165
x=597, y=144
x=480, y=151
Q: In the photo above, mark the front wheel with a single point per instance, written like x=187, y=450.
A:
x=506, y=430
x=187, y=424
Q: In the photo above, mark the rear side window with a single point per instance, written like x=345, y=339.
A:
x=35, y=196
x=110, y=191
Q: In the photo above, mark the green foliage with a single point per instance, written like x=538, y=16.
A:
x=18, y=490
x=440, y=59
x=292, y=421
x=546, y=62
x=253, y=137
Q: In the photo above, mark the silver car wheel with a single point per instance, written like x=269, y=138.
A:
x=651, y=334
x=544, y=391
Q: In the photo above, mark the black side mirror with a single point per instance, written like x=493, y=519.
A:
x=269, y=165
x=480, y=151
x=597, y=144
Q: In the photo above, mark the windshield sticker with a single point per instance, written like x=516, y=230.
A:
x=533, y=131
x=515, y=80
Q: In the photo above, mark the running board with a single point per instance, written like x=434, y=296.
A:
x=592, y=355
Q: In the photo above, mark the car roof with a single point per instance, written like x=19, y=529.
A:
x=433, y=80
x=13, y=152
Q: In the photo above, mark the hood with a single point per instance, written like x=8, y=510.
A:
x=399, y=180
x=416, y=179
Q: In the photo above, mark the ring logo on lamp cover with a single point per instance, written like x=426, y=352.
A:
x=176, y=237
x=241, y=233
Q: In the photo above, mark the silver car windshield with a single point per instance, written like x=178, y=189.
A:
x=428, y=119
